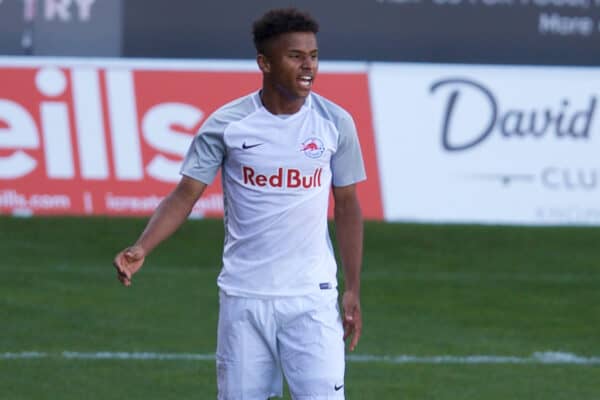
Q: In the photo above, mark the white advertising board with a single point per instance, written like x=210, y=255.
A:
x=488, y=144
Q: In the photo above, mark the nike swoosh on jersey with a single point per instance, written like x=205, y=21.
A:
x=249, y=146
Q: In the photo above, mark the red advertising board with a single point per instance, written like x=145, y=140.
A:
x=87, y=139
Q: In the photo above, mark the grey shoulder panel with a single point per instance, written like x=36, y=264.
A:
x=208, y=149
x=347, y=163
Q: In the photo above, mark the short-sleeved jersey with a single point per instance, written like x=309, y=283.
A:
x=277, y=173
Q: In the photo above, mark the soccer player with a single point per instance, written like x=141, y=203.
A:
x=281, y=150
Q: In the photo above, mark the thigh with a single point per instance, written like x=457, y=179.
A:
x=247, y=367
x=311, y=348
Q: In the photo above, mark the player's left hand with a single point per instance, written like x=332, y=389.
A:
x=352, y=318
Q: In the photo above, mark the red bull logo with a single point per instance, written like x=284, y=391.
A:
x=312, y=147
x=284, y=177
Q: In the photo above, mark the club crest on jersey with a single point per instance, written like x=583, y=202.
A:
x=312, y=147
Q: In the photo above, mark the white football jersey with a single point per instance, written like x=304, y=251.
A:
x=277, y=173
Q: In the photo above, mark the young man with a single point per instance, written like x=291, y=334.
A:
x=280, y=149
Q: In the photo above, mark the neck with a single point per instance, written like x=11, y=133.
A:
x=277, y=101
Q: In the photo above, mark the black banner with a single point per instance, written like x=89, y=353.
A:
x=538, y=32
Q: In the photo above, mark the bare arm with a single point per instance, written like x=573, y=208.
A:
x=168, y=216
x=349, y=234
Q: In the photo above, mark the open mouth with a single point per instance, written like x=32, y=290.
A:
x=305, y=81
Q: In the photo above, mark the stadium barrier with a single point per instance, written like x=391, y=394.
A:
x=488, y=144
x=442, y=143
x=107, y=137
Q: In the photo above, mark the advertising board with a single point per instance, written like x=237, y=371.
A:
x=488, y=144
x=107, y=137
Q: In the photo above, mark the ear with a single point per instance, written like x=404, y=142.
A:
x=263, y=63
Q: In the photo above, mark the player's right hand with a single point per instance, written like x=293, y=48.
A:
x=128, y=262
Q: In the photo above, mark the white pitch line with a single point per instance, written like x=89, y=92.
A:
x=547, y=357
x=22, y=355
x=136, y=356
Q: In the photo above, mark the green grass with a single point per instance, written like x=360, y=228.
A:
x=427, y=291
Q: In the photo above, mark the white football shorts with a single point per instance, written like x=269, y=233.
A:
x=259, y=338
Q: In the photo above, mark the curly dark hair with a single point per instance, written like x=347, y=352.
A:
x=279, y=21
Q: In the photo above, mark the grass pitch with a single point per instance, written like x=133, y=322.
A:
x=428, y=291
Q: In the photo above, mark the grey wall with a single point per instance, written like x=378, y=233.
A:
x=12, y=28
x=537, y=32
x=61, y=27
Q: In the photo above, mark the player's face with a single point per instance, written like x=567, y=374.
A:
x=292, y=64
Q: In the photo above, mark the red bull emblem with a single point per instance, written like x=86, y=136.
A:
x=312, y=147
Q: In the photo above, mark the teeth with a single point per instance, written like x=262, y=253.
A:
x=305, y=81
